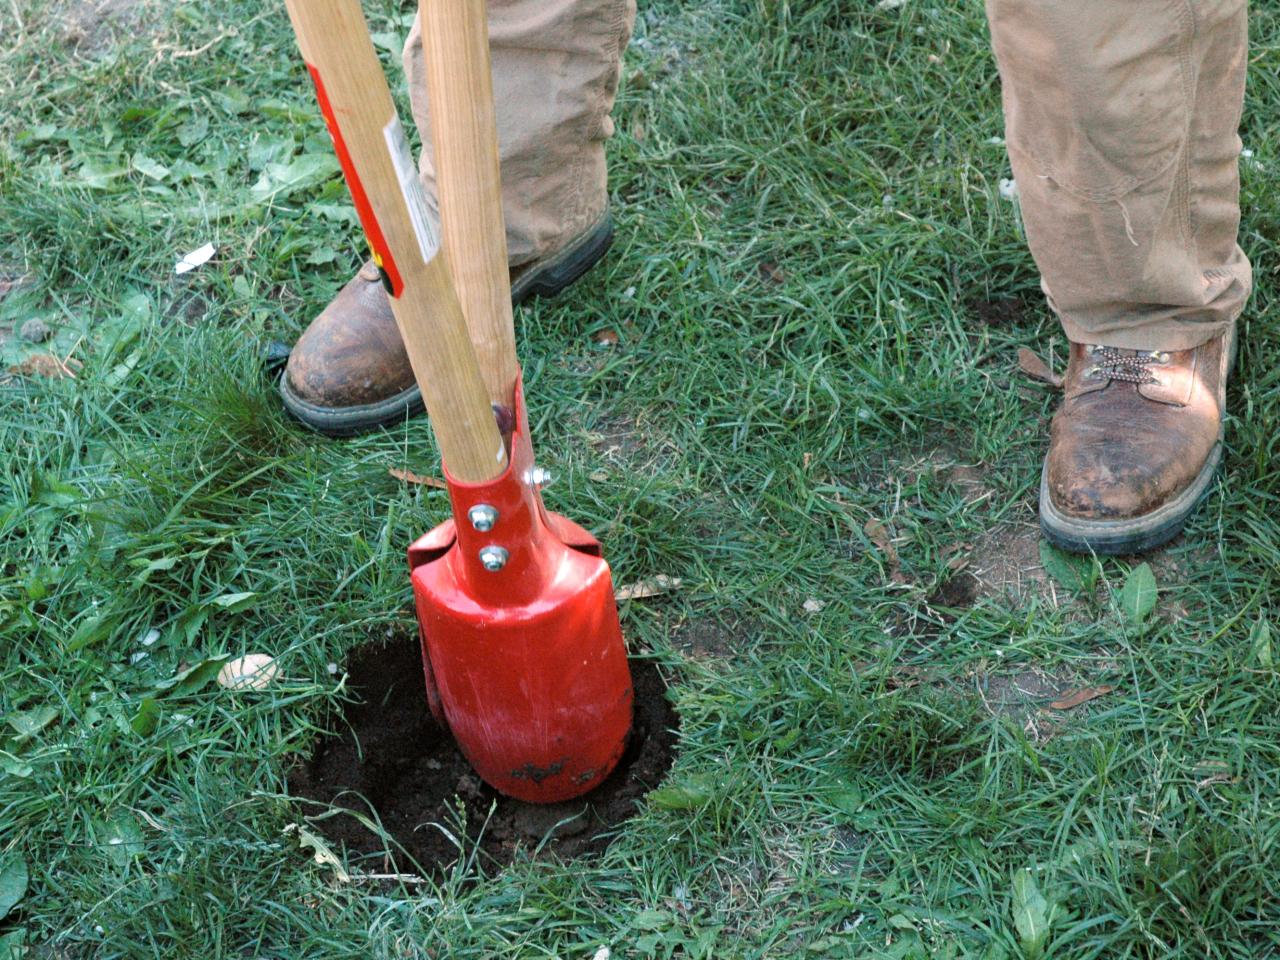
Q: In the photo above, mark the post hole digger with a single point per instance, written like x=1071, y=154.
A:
x=522, y=650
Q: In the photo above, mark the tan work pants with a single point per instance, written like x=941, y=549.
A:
x=1121, y=120
x=555, y=73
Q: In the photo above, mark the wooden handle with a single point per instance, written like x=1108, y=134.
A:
x=464, y=134
x=353, y=94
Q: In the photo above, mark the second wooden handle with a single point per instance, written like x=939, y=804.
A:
x=464, y=133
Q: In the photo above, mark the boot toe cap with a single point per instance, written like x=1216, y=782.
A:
x=1120, y=477
x=351, y=354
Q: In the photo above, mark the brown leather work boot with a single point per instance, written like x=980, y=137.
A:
x=349, y=373
x=1134, y=445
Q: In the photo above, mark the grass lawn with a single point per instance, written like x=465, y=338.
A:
x=791, y=384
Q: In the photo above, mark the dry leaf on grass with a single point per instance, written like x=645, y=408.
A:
x=1216, y=778
x=956, y=555
x=46, y=365
x=650, y=587
x=1083, y=695
x=1037, y=369
x=408, y=476
x=771, y=273
x=879, y=534
x=8, y=283
x=606, y=338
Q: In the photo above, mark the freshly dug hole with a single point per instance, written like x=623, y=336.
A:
x=390, y=755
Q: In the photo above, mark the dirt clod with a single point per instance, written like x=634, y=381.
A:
x=389, y=761
x=35, y=330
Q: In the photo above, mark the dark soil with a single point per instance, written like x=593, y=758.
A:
x=1004, y=313
x=958, y=590
x=389, y=754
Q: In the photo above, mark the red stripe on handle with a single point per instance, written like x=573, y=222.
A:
x=377, y=241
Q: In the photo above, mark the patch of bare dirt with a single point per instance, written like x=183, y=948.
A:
x=1005, y=564
x=1003, y=313
x=969, y=479
x=943, y=463
x=1027, y=690
x=704, y=638
x=617, y=437
x=623, y=441
x=93, y=25
x=1043, y=701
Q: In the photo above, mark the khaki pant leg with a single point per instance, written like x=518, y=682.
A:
x=556, y=65
x=1121, y=120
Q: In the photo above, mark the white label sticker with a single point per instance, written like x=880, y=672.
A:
x=422, y=212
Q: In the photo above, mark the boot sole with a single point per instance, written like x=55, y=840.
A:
x=545, y=280
x=1136, y=534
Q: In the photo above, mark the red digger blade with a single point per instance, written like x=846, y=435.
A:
x=521, y=645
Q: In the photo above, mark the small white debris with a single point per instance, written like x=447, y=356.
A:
x=252, y=672
x=196, y=258
x=1246, y=153
x=98, y=929
x=138, y=657
x=150, y=637
x=333, y=669
x=628, y=293
x=604, y=953
x=887, y=200
x=890, y=4
x=1009, y=189
x=813, y=605
x=996, y=141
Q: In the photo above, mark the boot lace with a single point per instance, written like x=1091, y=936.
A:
x=1110, y=363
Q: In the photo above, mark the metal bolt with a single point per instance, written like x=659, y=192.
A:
x=483, y=517
x=538, y=476
x=493, y=558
